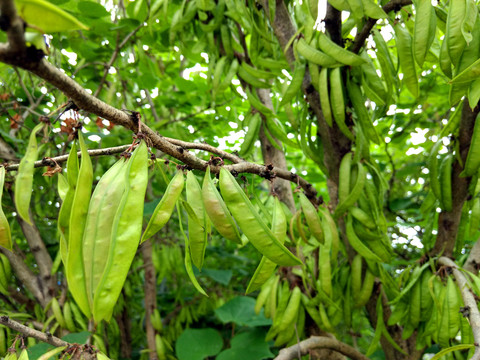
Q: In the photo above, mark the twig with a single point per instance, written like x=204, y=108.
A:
x=20, y=81
x=363, y=34
x=319, y=342
x=114, y=57
x=206, y=147
x=468, y=301
x=63, y=158
x=189, y=116
x=152, y=105
x=25, y=330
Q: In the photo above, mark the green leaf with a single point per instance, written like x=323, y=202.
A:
x=47, y=17
x=221, y=276
x=79, y=338
x=197, y=344
x=38, y=350
x=249, y=345
x=240, y=310
x=92, y=9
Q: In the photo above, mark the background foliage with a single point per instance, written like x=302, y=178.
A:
x=231, y=74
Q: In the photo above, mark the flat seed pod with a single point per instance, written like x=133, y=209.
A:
x=78, y=214
x=218, y=212
x=99, y=224
x=266, y=267
x=252, y=224
x=24, y=180
x=197, y=232
x=5, y=235
x=163, y=211
x=313, y=220
x=127, y=229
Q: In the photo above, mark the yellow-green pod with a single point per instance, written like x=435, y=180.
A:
x=313, y=220
x=252, y=224
x=5, y=235
x=163, y=211
x=126, y=232
x=74, y=261
x=290, y=314
x=218, y=212
x=24, y=180
x=266, y=267
x=197, y=228
x=97, y=236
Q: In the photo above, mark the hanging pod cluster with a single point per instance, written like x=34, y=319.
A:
x=100, y=233
x=361, y=199
x=205, y=206
x=431, y=304
x=344, y=81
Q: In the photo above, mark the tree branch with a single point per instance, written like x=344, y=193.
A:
x=335, y=144
x=206, y=147
x=449, y=221
x=62, y=158
x=274, y=156
x=333, y=24
x=469, y=302
x=114, y=57
x=315, y=342
x=89, y=103
x=473, y=261
x=15, y=35
x=25, y=330
x=24, y=275
x=24, y=88
x=362, y=35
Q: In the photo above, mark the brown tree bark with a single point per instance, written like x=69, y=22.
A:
x=449, y=221
x=150, y=289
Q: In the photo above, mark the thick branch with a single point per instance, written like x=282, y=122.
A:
x=335, y=144
x=15, y=24
x=449, y=221
x=333, y=24
x=316, y=342
x=89, y=103
x=25, y=330
x=274, y=156
x=469, y=302
x=362, y=35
